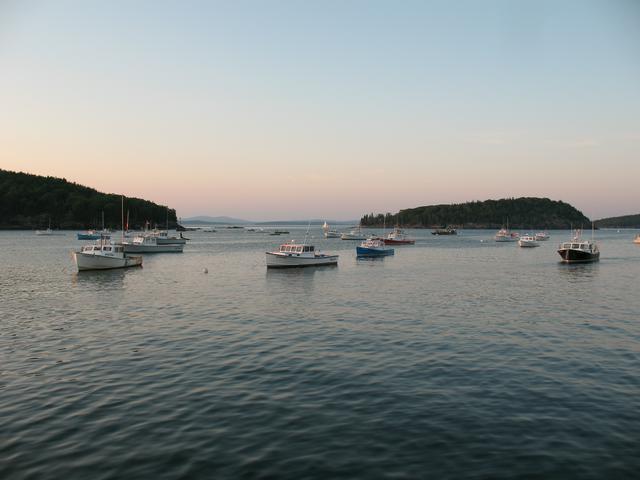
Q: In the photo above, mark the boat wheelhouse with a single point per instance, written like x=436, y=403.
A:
x=445, y=231
x=298, y=255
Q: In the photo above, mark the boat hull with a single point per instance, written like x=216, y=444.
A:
x=374, y=252
x=391, y=241
x=169, y=248
x=347, y=236
x=86, y=261
x=276, y=260
x=92, y=236
x=578, y=256
x=171, y=241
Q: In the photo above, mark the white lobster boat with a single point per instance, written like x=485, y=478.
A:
x=528, y=241
x=298, y=255
x=104, y=256
x=150, y=244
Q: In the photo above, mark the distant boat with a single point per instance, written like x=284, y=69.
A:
x=330, y=232
x=354, y=234
x=505, y=235
x=209, y=229
x=281, y=232
x=637, y=239
x=542, y=236
x=373, y=247
x=528, y=241
x=48, y=231
x=298, y=255
x=578, y=250
x=398, y=237
x=150, y=244
x=444, y=231
x=95, y=234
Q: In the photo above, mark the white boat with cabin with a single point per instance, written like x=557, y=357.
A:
x=542, y=236
x=150, y=244
x=298, y=255
x=528, y=241
x=104, y=256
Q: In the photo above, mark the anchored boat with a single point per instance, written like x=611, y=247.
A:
x=298, y=255
x=578, y=250
x=373, y=247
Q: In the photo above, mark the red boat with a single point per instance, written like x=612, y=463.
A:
x=398, y=237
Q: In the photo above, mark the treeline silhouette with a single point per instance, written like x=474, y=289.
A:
x=625, y=221
x=525, y=212
x=34, y=201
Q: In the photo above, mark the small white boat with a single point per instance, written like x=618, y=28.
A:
x=104, y=256
x=637, y=239
x=542, y=236
x=354, y=234
x=330, y=232
x=528, y=241
x=163, y=238
x=298, y=255
x=150, y=244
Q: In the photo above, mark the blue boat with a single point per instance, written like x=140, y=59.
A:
x=373, y=247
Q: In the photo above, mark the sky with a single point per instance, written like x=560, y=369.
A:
x=269, y=110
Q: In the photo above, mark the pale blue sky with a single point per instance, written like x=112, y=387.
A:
x=269, y=110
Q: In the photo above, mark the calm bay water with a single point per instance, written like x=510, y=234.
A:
x=455, y=358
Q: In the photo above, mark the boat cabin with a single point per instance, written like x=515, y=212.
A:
x=583, y=246
x=102, y=249
x=295, y=248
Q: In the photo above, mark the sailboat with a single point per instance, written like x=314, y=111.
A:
x=505, y=235
x=105, y=255
x=48, y=231
x=329, y=232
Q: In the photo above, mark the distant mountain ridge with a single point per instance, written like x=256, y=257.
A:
x=624, y=221
x=524, y=212
x=208, y=219
x=205, y=219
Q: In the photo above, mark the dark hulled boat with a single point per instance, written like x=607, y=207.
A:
x=444, y=231
x=579, y=251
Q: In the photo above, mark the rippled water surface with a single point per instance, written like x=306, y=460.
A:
x=457, y=357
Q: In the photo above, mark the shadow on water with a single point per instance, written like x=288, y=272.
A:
x=297, y=272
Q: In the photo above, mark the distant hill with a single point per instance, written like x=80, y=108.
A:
x=203, y=219
x=206, y=219
x=625, y=221
x=32, y=201
x=525, y=212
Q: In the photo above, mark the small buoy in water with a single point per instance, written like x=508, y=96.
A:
x=205, y=270
x=481, y=241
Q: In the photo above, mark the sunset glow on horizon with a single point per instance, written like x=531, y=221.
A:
x=294, y=110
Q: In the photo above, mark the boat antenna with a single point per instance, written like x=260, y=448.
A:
x=307, y=233
x=122, y=213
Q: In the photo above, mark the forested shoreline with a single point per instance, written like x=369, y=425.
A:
x=32, y=201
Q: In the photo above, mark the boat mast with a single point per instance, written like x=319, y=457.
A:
x=122, y=213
